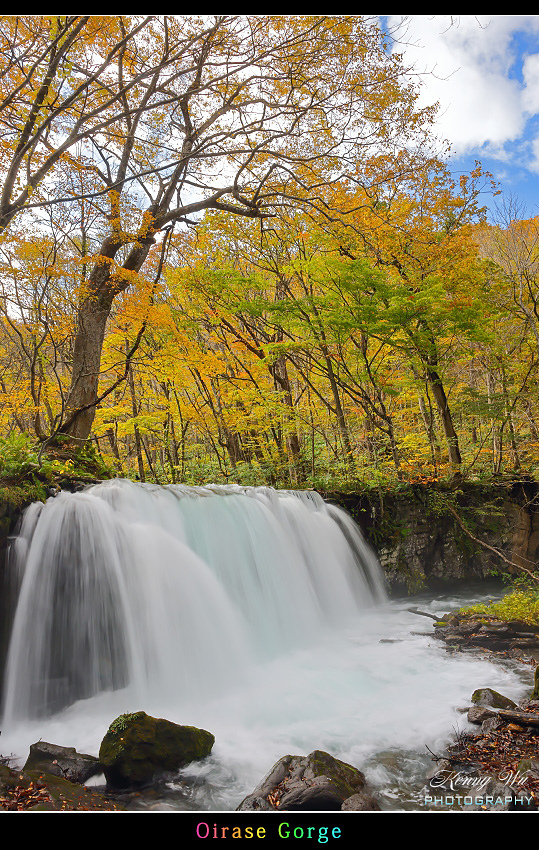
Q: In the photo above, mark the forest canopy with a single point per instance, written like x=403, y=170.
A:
x=232, y=250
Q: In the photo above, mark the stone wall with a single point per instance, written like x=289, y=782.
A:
x=422, y=545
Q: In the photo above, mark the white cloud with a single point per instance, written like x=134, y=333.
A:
x=534, y=163
x=466, y=61
x=530, y=97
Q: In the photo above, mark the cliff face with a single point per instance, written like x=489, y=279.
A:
x=427, y=537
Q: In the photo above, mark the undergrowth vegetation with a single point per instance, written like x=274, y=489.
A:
x=519, y=604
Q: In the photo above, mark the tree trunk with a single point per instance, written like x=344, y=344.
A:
x=497, y=445
x=445, y=415
x=134, y=409
x=427, y=350
x=104, y=285
x=279, y=372
x=343, y=427
x=80, y=406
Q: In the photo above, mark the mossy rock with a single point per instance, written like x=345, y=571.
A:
x=138, y=748
x=488, y=697
x=317, y=782
x=344, y=776
x=67, y=795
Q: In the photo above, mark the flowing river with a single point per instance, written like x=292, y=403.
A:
x=256, y=614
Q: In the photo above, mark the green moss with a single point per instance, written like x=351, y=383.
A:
x=415, y=582
x=17, y=497
x=136, y=746
x=521, y=605
x=489, y=697
x=345, y=779
x=122, y=722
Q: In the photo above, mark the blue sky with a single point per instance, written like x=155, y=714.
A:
x=483, y=70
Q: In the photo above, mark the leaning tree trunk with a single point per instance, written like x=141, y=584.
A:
x=429, y=357
x=83, y=394
x=279, y=372
x=103, y=286
x=445, y=415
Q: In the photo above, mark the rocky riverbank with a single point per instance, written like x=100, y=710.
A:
x=136, y=752
x=468, y=633
x=36, y=790
x=140, y=751
x=317, y=782
x=495, y=767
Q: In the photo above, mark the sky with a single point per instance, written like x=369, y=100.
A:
x=483, y=70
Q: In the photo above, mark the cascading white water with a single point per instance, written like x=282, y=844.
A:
x=175, y=590
x=245, y=611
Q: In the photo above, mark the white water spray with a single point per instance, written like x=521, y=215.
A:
x=175, y=590
x=258, y=615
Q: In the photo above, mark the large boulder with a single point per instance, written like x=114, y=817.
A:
x=137, y=748
x=65, y=762
x=489, y=698
x=317, y=782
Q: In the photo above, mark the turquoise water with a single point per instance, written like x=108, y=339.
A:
x=247, y=612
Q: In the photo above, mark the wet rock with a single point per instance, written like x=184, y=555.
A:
x=255, y=803
x=362, y=802
x=69, y=795
x=317, y=782
x=491, y=724
x=530, y=767
x=494, y=627
x=34, y=791
x=442, y=766
x=477, y=714
x=65, y=762
x=489, y=697
x=137, y=748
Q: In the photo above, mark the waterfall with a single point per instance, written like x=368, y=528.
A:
x=256, y=614
x=176, y=591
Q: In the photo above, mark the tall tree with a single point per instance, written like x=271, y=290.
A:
x=169, y=116
x=419, y=233
x=512, y=244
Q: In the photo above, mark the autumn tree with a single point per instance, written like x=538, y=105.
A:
x=418, y=231
x=510, y=247
x=169, y=116
x=39, y=282
x=512, y=244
